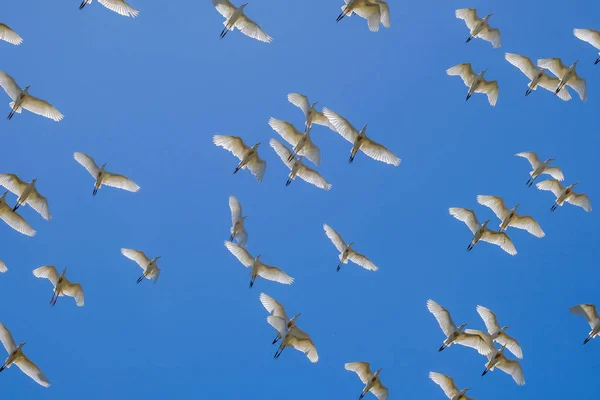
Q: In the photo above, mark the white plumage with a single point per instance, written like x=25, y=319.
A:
x=538, y=76
x=62, y=286
x=235, y=18
x=346, y=251
x=479, y=27
x=18, y=358
x=104, y=177
x=297, y=167
x=23, y=100
x=257, y=267
x=481, y=231
x=10, y=36
x=247, y=155
x=121, y=7
x=475, y=82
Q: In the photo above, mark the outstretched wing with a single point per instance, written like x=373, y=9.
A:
x=13, y=183
x=240, y=253
x=531, y=157
x=74, y=290
x=283, y=152
x=442, y=316
x=273, y=306
x=286, y=130
x=335, y=238
x=299, y=100
x=138, y=256
x=250, y=28
x=341, y=125
x=6, y=338
x=499, y=239
x=119, y=181
x=524, y=64
x=446, y=383
x=496, y=204
x=528, y=224
x=274, y=274
x=379, y=152
x=469, y=15
x=10, y=86
x=588, y=311
x=234, y=144
x=15, y=221
x=465, y=71
x=491, y=35
x=313, y=177
x=591, y=36
x=88, y=163
x=554, y=65
x=9, y=35
x=49, y=272
x=120, y=7
x=513, y=368
x=580, y=200
x=467, y=216
x=551, y=185
x=491, y=89
x=361, y=260
x=41, y=107
x=362, y=369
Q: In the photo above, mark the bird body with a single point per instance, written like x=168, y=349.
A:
x=10, y=36
x=475, y=82
x=374, y=11
x=347, y=253
x=449, y=387
x=27, y=192
x=497, y=333
x=294, y=337
x=297, y=167
x=302, y=142
x=121, y=7
x=311, y=114
x=566, y=75
x=276, y=309
x=149, y=266
x=371, y=380
x=540, y=167
x=591, y=36
x=481, y=231
x=23, y=100
x=235, y=18
x=238, y=230
x=509, y=217
x=591, y=315
x=257, y=267
x=479, y=27
x=18, y=358
x=538, y=76
x=247, y=155
x=511, y=367
x=62, y=286
x=565, y=194
x=103, y=177
x=13, y=219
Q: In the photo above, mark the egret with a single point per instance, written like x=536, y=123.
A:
x=150, y=268
x=3, y=268
x=276, y=309
x=119, y=6
x=238, y=231
x=591, y=36
x=10, y=36
x=563, y=194
x=62, y=286
x=479, y=27
x=258, y=268
x=540, y=167
x=23, y=100
x=475, y=82
x=481, y=231
x=13, y=219
x=294, y=337
x=538, y=76
x=567, y=75
x=374, y=11
x=235, y=18
x=509, y=217
x=371, y=380
x=17, y=357
x=104, y=177
x=298, y=168
x=449, y=387
x=27, y=192
x=359, y=140
x=302, y=142
x=346, y=251
x=591, y=315
x=312, y=116
x=247, y=155
x=497, y=333
x=512, y=367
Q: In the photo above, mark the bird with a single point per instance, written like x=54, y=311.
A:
x=104, y=177
x=13, y=219
x=62, y=286
x=247, y=155
x=297, y=167
x=3, y=268
x=479, y=27
x=294, y=337
x=119, y=6
x=301, y=142
x=18, y=358
x=538, y=76
x=235, y=18
x=466, y=337
x=374, y=11
x=591, y=315
x=497, y=359
x=10, y=36
x=509, y=217
x=540, y=167
x=481, y=231
x=359, y=140
x=238, y=230
x=346, y=251
x=276, y=309
x=150, y=268
x=312, y=116
x=475, y=82
x=449, y=387
x=497, y=333
x=23, y=100
x=567, y=75
x=371, y=380
x=28, y=194
x=591, y=36
x=258, y=268
x=563, y=194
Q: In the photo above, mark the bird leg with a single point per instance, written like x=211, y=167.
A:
x=339, y=266
x=83, y=3
x=95, y=191
x=141, y=278
x=288, y=182
x=2, y=368
x=597, y=61
x=16, y=206
x=252, y=282
x=341, y=16
x=223, y=33
x=276, y=339
x=54, y=299
x=469, y=39
x=528, y=92
x=10, y=115
x=587, y=339
x=468, y=96
x=553, y=207
x=470, y=246
x=351, y=158
x=485, y=372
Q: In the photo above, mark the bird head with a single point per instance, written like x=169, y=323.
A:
x=294, y=318
x=483, y=72
x=21, y=345
x=488, y=17
x=575, y=63
x=350, y=244
x=377, y=372
x=573, y=185
x=244, y=217
x=243, y=5
x=363, y=131
x=258, y=257
x=103, y=165
x=515, y=207
x=486, y=222
x=314, y=104
x=548, y=161
x=460, y=328
x=63, y=272
x=256, y=145
x=27, y=88
x=504, y=328
x=34, y=180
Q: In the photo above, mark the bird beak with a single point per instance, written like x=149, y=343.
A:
x=517, y=206
x=258, y=144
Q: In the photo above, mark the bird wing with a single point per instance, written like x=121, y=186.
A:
x=257, y=167
x=273, y=306
x=380, y=391
x=475, y=339
x=554, y=65
x=15, y=221
x=88, y=163
x=286, y=130
x=489, y=319
x=40, y=204
x=120, y=7
x=3, y=268
x=341, y=125
x=551, y=185
x=335, y=238
x=531, y=157
x=511, y=344
x=311, y=152
x=491, y=89
x=119, y=181
x=578, y=84
x=320, y=119
x=499, y=239
x=554, y=172
x=379, y=152
x=13, y=183
x=465, y=71
x=580, y=200
x=74, y=290
x=313, y=177
x=299, y=100
x=240, y=253
x=236, y=209
x=496, y=204
x=528, y=224
x=274, y=274
x=491, y=35
x=446, y=383
x=550, y=83
x=41, y=107
x=513, y=368
x=591, y=36
x=278, y=323
x=283, y=152
x=234, y=144
x=442, y=316
x=304, y=345
x=49, y=272
x=138, y=256
x=10, y=86
x=242, y=236
x=467, y=216
x=469, y=15
x=224, y=7
x=251, y=29
x=384, y=9
x=524, y=64
x=585, y=310
x=9, y=35
x=362, y=369
x=371, y=12
x=32, y=370
x=361, y=260
x=6, y=338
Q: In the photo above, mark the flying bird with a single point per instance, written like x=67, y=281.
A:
x=247, y=155
x=276, y=309
x=258, y=268
x=301, y=142
x=27, y=192
x=481, y=231
x=591, y=315
x=18, y=358
x=238, y=230
x=374, y=11
x=346, y=251
x=497, y=333
x=62, y=286
x=512, y=367
x=104, y=177
x=10, y=36
x=475, y=82
x=235, y=18
x=509, y=217
x=294, y=337
x=540, y=167
x=119, y=6
x=369, y=379
x=449, y=387
x=479, y=27
x=591, y=36
x=150, y=268
x=312, y=115
x=23, y=100
x=538, y=76
x=567, y=194
x=567, y=75
x=297, y=167
x=3, y=268
x=14, y=220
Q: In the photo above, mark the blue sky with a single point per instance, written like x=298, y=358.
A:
x=147, y=95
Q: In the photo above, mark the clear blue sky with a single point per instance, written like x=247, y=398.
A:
x=147, y=95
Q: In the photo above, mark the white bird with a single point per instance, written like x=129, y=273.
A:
x=312, y=115
x=297, y=167
x=370, y=380
x=466, y=337
x=104, y=177
x=374, y=11
x=119, y=6
x=294, y=337
x=258, y=268
x=27, y=192
x=540, y=167
x=17, y=357
x=591, y=315
x=62, y=286
x=301, y=142
x=509, y=217
x=23, y=100
x=538, y=76
x=497, y=333
x=13, y=219
x=591, y=36
x=238, y=231
x=150, y=268
x=247, y=155
x=449, y=387
x=359, y=140
x=481, y=231
x=567, y=75
x=563, y=194
x=10, y=36
x=511, y=367
x=276, y=309
x=475, y=82
x=479, y=27
x=346, y=251
x=3, y=268
x=235, y=18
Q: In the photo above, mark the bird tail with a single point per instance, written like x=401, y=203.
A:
x=18, y=110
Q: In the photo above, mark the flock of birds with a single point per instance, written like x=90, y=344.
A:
x=376, y=12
